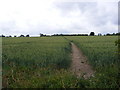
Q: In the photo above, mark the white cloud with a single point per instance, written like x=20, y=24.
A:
x=51, y=16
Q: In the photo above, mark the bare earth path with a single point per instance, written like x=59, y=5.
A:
x=80, y=66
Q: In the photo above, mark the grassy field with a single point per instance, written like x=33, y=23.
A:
x=102, y=55
x=37, y=51
x=101, y=51
x=44, y=61
x=26, y=60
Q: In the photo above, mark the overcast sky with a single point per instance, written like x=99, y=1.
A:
x=52, y=16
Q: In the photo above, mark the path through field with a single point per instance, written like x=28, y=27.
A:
x=80, y=66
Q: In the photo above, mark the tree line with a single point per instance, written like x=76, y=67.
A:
x=91, y=34
x=16, y=36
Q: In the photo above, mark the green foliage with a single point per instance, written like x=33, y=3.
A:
x=34, y=53
x=101, y=53
x=106, y=78
x=43, y=62
x=22, y=77
x=117, y=43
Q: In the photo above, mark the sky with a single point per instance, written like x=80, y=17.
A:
x=58, y=16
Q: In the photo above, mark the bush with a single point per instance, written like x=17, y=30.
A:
x=92, y=33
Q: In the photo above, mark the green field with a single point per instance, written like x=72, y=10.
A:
x=43, y=62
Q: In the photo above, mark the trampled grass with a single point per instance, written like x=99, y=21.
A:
x=43, y=62
x=100, y=50
x=102, y=55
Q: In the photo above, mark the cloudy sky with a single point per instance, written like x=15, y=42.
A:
x=58, y=16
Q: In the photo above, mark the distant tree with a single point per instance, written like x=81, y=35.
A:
x=44, y=35
x=41, y=34
x=118, y=33
x=22, y=36
x=55, y=35
x=15, y=36
x=70, y=35
x=92, y=33
x=61, y=34
x=108, y=34
x=113, y=34
x=2, y=36
x=10, y=36
x=99, y=34
x=27, y=35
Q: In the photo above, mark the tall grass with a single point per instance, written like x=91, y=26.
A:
x=43, y=62
x=100, y=50
x=36, y=51
x=26, y=55
x=102, y=55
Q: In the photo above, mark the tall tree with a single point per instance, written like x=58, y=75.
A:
x=92, y=33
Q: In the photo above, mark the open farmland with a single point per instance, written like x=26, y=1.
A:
x=28, y=58
x=101, y=51
x=44, y=62
x=36, y=51
x=102, y=55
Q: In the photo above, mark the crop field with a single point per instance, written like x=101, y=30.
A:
x=44, y=62
x=102, y=55
x=101, y=51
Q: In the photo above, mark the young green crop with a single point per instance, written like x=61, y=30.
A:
x=100, y=50
x=42, y=62
x=22, y=55
x=36, y=51
x=102, y=55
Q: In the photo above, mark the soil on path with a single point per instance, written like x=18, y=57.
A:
x=80, y=66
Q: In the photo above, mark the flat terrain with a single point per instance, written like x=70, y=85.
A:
x=80, y=65
x=46, y=62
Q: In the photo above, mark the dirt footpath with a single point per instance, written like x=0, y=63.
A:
x=80, y=66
